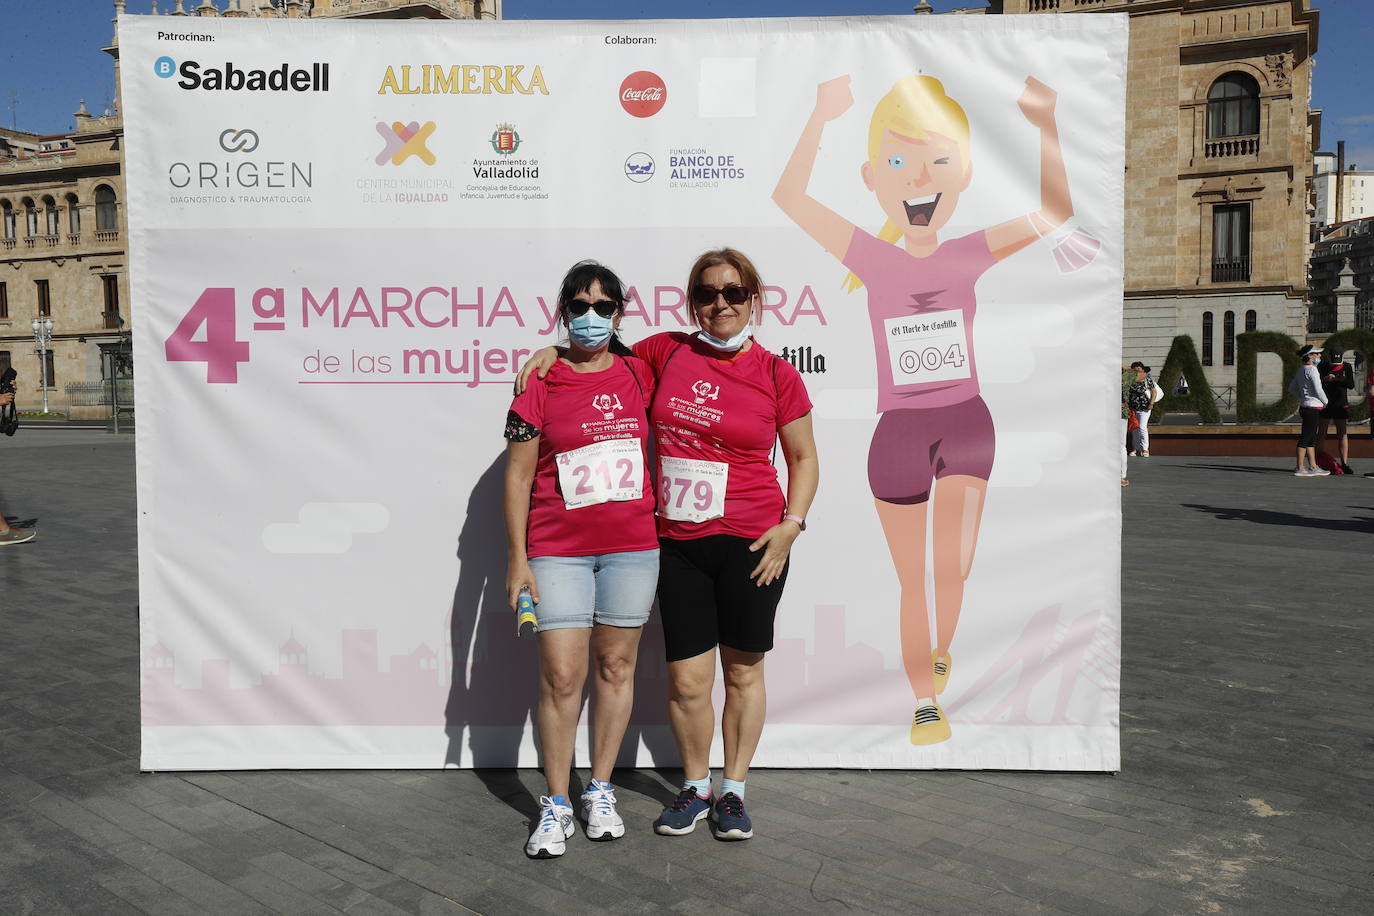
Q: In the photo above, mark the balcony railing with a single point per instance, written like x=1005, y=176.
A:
x=8, y=244
x=1050, y=6
x=1231, y=146
x=1233, y=270
x=1321, y=318
x=66, y=240
x=107, y=235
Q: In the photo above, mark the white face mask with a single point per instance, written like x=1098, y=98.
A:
x=727, y=346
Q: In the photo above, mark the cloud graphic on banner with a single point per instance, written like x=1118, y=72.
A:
x=325, y=528
x=1021, y=457
x=846, y=404
x=1008, y=356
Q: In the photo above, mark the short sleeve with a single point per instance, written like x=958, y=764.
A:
x=793, y=401
x=645, y=376
x=860, y=254
x=657, y=349
x=526, y=414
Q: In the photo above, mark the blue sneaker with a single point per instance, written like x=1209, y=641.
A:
x=680, y=818
x=731, y=821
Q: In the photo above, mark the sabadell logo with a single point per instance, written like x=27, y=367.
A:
x=643, y=94
x=229, y=78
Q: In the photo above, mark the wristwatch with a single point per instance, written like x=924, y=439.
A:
x=789, y=517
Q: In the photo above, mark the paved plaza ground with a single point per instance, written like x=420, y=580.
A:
x=1247, y=748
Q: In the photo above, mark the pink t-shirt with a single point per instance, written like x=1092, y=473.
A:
x=573, y=410
x=721, y=410
x=922, y=315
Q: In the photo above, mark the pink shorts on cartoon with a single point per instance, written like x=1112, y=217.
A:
x=911, y=448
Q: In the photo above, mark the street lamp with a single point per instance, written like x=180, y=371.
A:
x=42, y=338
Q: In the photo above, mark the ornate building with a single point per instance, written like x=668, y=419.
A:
x=1219, y=144
x=63, y=229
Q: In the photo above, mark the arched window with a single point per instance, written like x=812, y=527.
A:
x=73, y=215
x=1207, y=338
x=1233, y=106
x=7, y=210
x=1251, y=320
x=106, y=215
x=1228, y=339
x=30, y=217
x=50, y=220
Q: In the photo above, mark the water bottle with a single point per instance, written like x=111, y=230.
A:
x=524, y=609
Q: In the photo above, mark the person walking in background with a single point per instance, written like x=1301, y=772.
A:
x=10, y=535
x=1141, y=399
x=1338, y=380
x=1127, y=376
x=1307, y=387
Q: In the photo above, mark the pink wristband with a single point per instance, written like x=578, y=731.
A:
x=789, y=517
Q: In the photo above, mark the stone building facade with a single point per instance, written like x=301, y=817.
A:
x=1342, y=279
x=63, y=231
x=1219, y=147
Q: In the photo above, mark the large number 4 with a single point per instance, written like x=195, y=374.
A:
x=954, y=356
x=220, y=350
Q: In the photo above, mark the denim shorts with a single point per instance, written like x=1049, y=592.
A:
x=615, y=589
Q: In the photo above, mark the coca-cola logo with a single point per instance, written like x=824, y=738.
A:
x=643, y=93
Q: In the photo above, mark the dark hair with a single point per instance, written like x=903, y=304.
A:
x=748, y=274
x=580, y=278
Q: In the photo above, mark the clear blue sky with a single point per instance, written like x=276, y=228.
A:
x=50, y=55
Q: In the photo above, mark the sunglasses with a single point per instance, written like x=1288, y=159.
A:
x=606, y=308
x=733, y=294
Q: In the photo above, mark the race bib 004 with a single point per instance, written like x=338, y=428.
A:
x=930, y=347
x=690, y=490
x=603, y=472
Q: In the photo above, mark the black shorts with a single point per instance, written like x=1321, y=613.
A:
x=706, y=598
x=1311, y=417
x=1336, y=412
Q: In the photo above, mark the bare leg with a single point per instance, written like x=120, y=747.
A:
x=1343, y=436
x=562, y=674
x=614, y=650
x=746, y=701
x=905, y=529
x=958, y=512
x=690, y=711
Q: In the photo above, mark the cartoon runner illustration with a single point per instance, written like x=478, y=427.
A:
x=934, y=441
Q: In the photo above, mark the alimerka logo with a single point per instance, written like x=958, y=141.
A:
x=462, y=79
x=229, y=78
x=403, y=141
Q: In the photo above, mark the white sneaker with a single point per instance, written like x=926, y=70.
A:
x=551, y=831
x=598, y=810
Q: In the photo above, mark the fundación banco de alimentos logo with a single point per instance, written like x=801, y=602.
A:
x=403, y=141
x=639, y=167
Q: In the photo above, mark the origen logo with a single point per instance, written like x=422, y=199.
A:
x=164, y=67
x=639, y=167
x=232, y=140
x=643, y=94
x=403, y=141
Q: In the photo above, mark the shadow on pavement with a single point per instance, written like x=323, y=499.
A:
x=1270, y=517
x=1240, y=468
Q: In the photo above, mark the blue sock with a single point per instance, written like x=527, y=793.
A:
x=598, y=784
x=732, y=785
x=701, y=786
x=561, y=800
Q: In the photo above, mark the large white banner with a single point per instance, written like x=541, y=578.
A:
x=345, y=237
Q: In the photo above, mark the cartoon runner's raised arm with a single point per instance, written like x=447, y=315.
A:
x=933, y=447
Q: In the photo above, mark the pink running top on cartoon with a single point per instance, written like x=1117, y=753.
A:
x=922, y=311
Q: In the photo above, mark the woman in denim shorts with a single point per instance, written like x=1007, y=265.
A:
x=581, y=536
